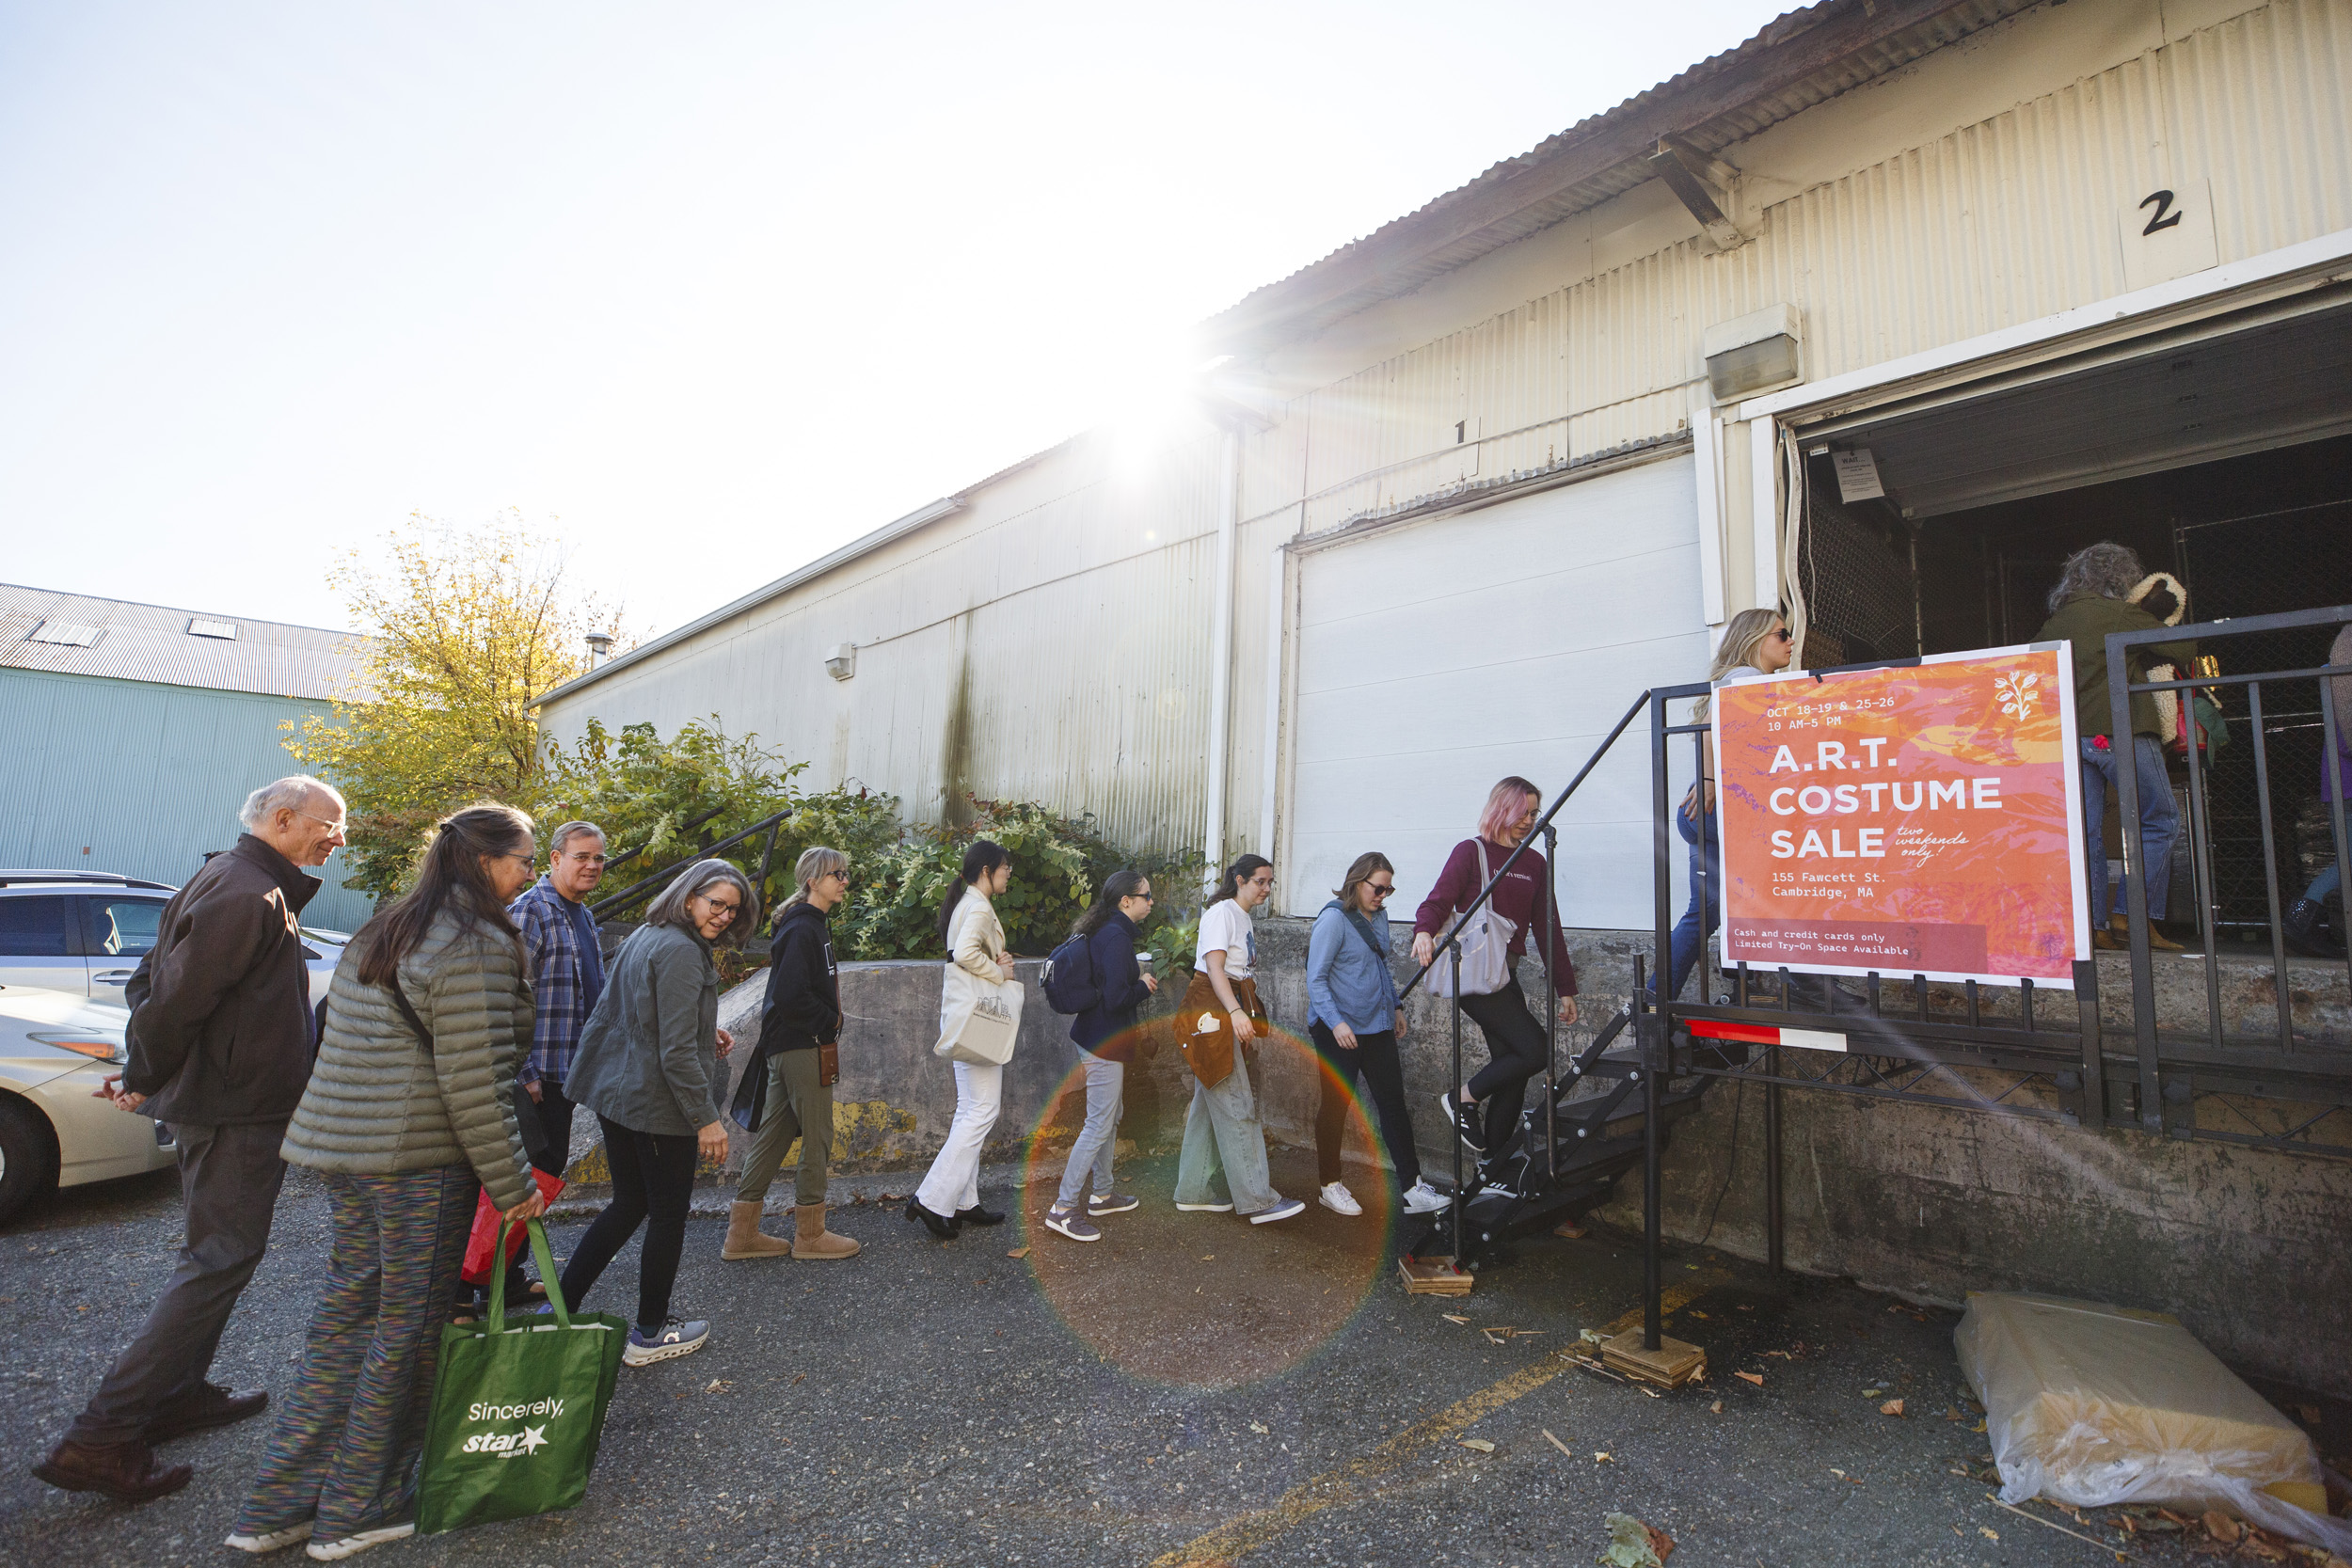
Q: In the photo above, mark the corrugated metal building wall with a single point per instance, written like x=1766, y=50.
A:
x=1978, y=187
x=146, y=777
x=1047, y=642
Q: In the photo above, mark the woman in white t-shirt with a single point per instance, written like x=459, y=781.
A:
x=1223, y=1169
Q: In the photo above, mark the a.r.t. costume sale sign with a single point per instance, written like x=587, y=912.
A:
x=1924, y=821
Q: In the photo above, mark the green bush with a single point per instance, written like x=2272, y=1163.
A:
x=1058, y=864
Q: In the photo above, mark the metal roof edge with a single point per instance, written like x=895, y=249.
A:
x=1792, y=47
x=921, y=517
x=183, y=609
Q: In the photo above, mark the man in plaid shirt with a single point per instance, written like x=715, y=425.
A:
x=567, y=975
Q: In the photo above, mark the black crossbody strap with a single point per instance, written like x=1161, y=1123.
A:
x=424, y=1035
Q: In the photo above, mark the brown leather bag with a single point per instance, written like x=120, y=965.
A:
x=1210, y=1051
x=828, y=1063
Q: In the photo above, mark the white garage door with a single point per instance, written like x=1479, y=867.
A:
x=1437, y=657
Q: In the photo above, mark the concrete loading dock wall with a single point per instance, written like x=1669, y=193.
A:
x=2252, y=1249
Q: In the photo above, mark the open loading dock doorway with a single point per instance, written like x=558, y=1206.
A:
x=2221, y=453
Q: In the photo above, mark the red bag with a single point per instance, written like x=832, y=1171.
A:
x=476, y=1270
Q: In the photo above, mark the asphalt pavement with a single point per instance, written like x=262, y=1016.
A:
x=1191, y=1390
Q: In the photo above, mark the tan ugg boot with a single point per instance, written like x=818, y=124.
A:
x=746, y=1239
x=814, y=1241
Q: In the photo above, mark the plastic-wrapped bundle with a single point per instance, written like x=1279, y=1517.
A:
x=2096, y=1406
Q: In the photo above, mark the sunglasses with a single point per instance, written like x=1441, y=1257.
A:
x=1379, y=892
x=1781, y=633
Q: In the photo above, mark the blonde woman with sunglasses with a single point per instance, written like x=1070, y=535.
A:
x=1355, y=1021
x=1756, y=642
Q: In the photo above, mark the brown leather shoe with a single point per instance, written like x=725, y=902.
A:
x=210, y=1405
x=124, y=1471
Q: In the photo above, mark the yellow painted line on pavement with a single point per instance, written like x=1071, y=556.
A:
x=1355, y=1479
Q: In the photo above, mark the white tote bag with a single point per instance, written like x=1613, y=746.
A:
x=1485, y=943
x=978, y=1022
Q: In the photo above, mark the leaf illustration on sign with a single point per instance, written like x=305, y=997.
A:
x=2017, y=693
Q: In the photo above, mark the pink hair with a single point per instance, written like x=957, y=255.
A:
x=1506, y=804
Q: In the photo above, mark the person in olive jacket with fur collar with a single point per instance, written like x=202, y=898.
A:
x=219, y=1048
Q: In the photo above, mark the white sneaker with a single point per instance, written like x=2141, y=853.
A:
x=272, y=1541
x=352, y=1546
x=1337, y=1198
x=1423, y=1199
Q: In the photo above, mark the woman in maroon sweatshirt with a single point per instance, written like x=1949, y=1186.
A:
x=1517, y=1043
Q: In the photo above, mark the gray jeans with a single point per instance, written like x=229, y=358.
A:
x=1098, y=1138
x=228, y=1181
x=1225, y=1148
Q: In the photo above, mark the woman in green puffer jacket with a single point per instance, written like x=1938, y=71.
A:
x=409, y=1115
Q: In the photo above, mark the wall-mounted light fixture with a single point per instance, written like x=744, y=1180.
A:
x=1757, y=352
x=841, y=660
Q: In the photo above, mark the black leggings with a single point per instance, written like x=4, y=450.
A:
x=1515, y=1048
x=1374, y=1059
x=653, y=1177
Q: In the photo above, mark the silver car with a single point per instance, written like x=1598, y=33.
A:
x=84, y=932
x=56, y=1049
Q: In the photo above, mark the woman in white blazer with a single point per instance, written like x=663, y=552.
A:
x=949, y=1197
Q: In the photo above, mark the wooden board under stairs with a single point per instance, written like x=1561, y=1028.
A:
x=1432, y=1276
x=1673, y=1364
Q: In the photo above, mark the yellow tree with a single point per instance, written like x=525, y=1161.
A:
x=471, y=625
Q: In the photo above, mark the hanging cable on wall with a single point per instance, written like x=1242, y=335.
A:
x=1791, y=535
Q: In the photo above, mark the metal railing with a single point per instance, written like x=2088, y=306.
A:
x=1919, y=1055
x=646, y=888
x=2165, y=1097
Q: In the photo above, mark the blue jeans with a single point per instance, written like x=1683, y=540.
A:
x=1689, y=939
x=2323, y=885
x=2159, y=823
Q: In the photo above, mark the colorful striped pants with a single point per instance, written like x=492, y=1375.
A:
x=343, y=1450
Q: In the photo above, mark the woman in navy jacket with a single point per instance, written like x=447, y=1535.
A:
x=1105, y=1036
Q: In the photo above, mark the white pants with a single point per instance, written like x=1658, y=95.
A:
x=954, y=1183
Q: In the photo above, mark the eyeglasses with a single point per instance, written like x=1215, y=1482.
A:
x=718, y=909
x=332, y=826
x=1379, y=892
x=517, y=855
x=841, y=877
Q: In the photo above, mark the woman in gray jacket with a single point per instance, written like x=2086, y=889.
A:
x=648, y=1066
x=409, y=1114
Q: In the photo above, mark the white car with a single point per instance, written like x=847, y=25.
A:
x=56, y=1051
x=84, y=932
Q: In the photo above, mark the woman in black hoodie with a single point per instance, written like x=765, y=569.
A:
x=787, y=1091
x=1105, y=1036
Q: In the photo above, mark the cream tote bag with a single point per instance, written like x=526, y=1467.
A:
x=980, y=1020
x=1485, y=941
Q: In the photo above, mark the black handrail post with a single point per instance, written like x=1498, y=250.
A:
x=2331, y=738
x=1548, y=920
x=1455, y=1090
x=2094, y=1115
x=2270, y=866
x=1655, y=1045
x=2124, y=747
x=2201, y=867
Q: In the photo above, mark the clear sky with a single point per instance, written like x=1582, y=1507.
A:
x=703, y=290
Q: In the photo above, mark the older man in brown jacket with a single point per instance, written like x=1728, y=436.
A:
x=220, y=1048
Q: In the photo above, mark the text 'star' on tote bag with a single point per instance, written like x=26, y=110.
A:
x=978, y=1021
x=517, y=1408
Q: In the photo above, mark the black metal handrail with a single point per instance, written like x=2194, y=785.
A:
x=646, y=888
x=2150, y=1047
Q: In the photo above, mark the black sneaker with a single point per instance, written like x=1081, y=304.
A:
x=1465, y=1127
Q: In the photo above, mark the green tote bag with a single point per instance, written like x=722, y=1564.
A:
x=517, y=1408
